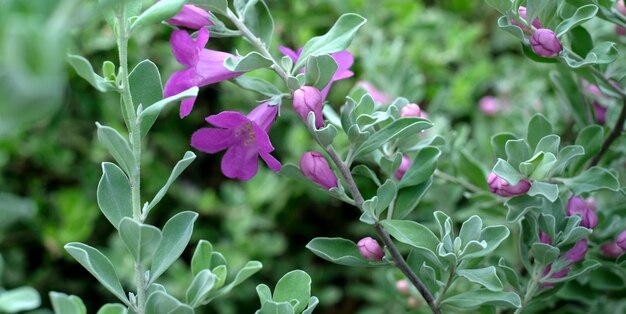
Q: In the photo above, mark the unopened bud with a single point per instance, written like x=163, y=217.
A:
x=404, y=166
x=370, y=249
x=191, y=16
x=307, y=99
x=621, y=240
x=611, y=249
x=545, y=43
x=500, y=187
x=621, y=8
x=585, y=208
x=413, y=110
x=522, y=14
x=403, y=286
x=577, y=253
x=315, y=167
x=600, y=112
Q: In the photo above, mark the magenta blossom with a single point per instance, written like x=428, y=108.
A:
x=203, y=66
x=489, y=105
x=307, y=99
x=315, y=167
x=243, y=137
x=600, y=112
x=376, y=94
x=404, y=166
x=501, y=187
x=621, y=240
x=191, y=16
x=585, y=208
x=611, y=249
x=343, y=58
x=370, y=249
x=545, y=43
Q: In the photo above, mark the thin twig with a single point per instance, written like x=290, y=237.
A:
x=615, y=133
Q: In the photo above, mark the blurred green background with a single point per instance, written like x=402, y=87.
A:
x=444, y=55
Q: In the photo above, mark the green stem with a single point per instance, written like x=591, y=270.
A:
x=451, y=277
x=531, y=289
x=135, y=143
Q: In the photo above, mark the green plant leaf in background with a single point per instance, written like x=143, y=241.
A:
x=19, y=299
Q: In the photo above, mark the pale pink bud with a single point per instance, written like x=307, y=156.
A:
x=413, y=110
x=370, y=249
x=315, y=167
x=500, y=187
x=621, y=8
x=307, y=99
x=403, y=286
x=522, y=13
x=404, y=166
x=545, y=43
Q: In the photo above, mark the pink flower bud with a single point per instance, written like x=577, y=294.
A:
x=600, y=112
x=413, y=302
x=191, y=16
x=404, y=166
x=544, y=238
x=413, y=110
x=621, y=8
x=545, y=43
x=611, y=249
x=522, y=13
x=489, y=105
x=500, y=187
x=621, y=240
x=577, y=253
x=370, y=249
x=307, y=99
x=315, y=167
x=403, y=286
x=585, y=208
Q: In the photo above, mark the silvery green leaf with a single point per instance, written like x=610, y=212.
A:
x=471, y=229
x=84, y=69
x=145, y=84
x=295, y=285
x=503, y=6
x=181, y=165
x=148, y=116
x=544, y=253
x=592, y=179
x=258, y=85
x=117, y=146
x=493, y=236
x=485, y=277
x=200, y=287
x=338, y=250
x=505, y=171
x=544, y=167
x=113, y=308
x=408, y=198
x=582, y=15
x=549, y=144
x=141, y=240
x=176, y=234
x=273, y=307
x=475, y=298
x=398, y=129
x=160, y=302
x=99, y=266
x=547, y=190
x=201, y=258
x=385, y=195
x=538, y=128
x=505, y=24
x=602, y=53
x=567, y=155
x=313, y=302
x=67, y=304
x=220, y=273
x=336, y=39
x=363, y=170
x=244, y=273
x=411, y=233
x=519, y=206
x=324, y=135
x=219, y=6
x=422, y=167
x=249, y=62
x=517, y=151
x=258, y=19
x=587, y=266
x=160, y=11
x=114, y=194
x=320, y=70
x=498, y=143
x=19, y=299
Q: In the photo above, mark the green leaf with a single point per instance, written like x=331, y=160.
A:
x=181, y=165
x=19, y=299
x=258, y=85
x=219, y=6
x=176, y=234
x=587, y=266
x=385, y=194
x=517, y=151
x=503, y=6
x=519, y=206
x=160, y=302
x=548, y=190
x=549, y=144
x=114, y=194
x=113, y=308
x=505, y=24
x=320, y=70
x=422, y=167
x=408, y=198
x=246, y=272
x=505, y=171
x=201, y=258
x=590, y=138
x=336, y=39
x=498, y=143
x=67, y=304
x=544, y=253
x=581, y=40
x=471, y=229
x=493, y=236
x=602, y=53
x=99, y=266
x=258, y=19
x=471, y=169
x=538, y=128
x=566, y=156
x=295, y=285
x=509, y=274
x=592, y=179
x=142, y=240
x=475, y=298
x=324, y=135
x=337, y=250
x=145, y=84
x=200, y=287
x=582, y=15
x=363, y=170
x=249, y=62
x=160, y=11
x=411, y=233
x=398, y=129
x=84, y=69
x=148, y=116
x=272, y=307
x=313, y=302
x=485, y=277
x=117, y=146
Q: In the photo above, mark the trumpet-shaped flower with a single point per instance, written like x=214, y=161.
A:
x=191, y=16
x=202, y=66
x=243, y=137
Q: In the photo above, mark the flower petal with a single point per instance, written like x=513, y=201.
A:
x=271, y=162
x=212, y=140
x=240, y=162
x=180, y=81
x=184, y=48
x=211, y=67
x=191, y=16
x=202, y=38
x=289, y=53
x=227, y=119
x=262, y=140
x=186, y=105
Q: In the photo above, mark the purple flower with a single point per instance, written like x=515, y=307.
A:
x=544, y=238
x=370, y=249
x=522, y=13
x=621, y=240
x=500, y=187
x=489, y=105
x=404, y=166
x=376, y=94
x=621, y=8
x=545, y=43
x=343, y=58
x=307, y=99
x=413, y=110
x=243, y=137
x=600, y=112
x=611, y=249
x=191, y=16
x=577, y=253
x=202, y=66
x=315, y=167
x=585, y=208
